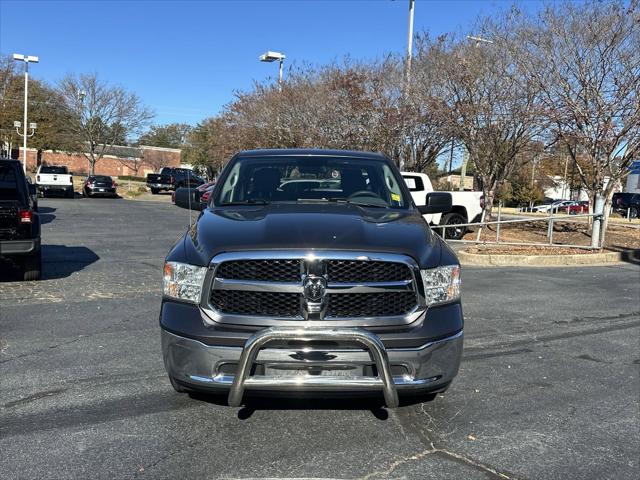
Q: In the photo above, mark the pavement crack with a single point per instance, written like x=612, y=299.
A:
x=426, y=432
x=386, y=473
x=194, y=442
x=34, y=397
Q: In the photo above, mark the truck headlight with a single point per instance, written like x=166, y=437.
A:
x=183, y=281
x=441, y=284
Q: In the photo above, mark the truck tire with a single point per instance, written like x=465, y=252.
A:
x=453, y=219
x=32, y=267
x=70, y=194
x=633, y=212
x=154, y=191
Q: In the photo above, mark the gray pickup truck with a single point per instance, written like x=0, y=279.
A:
x=332, y=285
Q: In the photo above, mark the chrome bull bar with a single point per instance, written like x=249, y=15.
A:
x=371, y=342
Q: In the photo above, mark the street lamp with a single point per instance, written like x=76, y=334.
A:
x=270, y=57
x=479, y=40
x=26, y=59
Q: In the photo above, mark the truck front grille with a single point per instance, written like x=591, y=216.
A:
x=370, y=304
x=264, y=304
x=291, y=270
x=251, y=284
x=264, y=270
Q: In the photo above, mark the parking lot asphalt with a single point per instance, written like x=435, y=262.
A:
x=549, y=385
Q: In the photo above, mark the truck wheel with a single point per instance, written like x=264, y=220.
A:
x=633, y=212
x=154, y=191
x=31, y=267
x=70, y=194
x=454, y=233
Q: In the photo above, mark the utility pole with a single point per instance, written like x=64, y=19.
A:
x=463, y=169
x=410, y=41
x=26, y=59
x=407, y=77
x=564, y=180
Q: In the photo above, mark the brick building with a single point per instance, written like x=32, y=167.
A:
x=118, y=161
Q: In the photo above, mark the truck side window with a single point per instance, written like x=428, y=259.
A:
x=393, y=187
x=229, y=185
x=415, y=184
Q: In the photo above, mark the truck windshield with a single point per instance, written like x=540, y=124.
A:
x=289, y=179
x=54, y=170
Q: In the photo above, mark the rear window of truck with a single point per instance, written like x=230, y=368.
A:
x=54, y=170
x=9, y=181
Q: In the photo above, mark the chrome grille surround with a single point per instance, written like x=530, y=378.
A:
x=314, y=264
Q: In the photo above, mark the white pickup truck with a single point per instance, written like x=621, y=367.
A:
x=54, y=179
x=466, y=206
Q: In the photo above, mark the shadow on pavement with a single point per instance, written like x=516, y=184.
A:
x=630, y=256
x=58, y=261
x=46, y=215
x=254, y=403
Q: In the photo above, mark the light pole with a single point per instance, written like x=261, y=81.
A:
x=479, y=40
x=410, y=40
x=270, y=57
x=26, y=59
x=407, y=77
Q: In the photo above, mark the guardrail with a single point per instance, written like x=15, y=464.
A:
x=551, y=218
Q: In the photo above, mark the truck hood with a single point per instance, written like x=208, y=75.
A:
x=309, y=227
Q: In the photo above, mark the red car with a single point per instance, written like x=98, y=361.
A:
x=576, y=208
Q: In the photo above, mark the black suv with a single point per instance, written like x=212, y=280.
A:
x=19, y=221
x=624, y=203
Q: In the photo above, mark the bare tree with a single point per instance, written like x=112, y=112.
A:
x=585, y=60
x=494, y=110
x=425, y=107
x=101, y=115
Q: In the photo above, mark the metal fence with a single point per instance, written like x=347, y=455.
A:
x=550, y=219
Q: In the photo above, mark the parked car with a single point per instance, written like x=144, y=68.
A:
x=466, y=206
x=551, y=207
x=54, y=179
x=624, y=203
x=171, y=178
x=99, y=185
x=205, y=194
x=19, y=221
x=348, y=291
x=575, y=208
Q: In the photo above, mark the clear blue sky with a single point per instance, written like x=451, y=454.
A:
x=185, y=58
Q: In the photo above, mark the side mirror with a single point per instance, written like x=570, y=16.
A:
x=437, y=202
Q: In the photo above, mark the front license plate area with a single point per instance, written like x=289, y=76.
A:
x=297, y=371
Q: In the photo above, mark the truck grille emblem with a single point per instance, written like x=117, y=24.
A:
x=314, y=288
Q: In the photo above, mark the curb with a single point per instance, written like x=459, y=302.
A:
x=501, y=260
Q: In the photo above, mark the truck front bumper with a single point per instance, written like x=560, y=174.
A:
x=427, y=368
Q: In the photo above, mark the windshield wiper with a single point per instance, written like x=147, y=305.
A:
x=251, y=201
x=355, y=202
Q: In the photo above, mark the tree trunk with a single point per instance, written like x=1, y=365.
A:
x=489, y=195
x=608, y=194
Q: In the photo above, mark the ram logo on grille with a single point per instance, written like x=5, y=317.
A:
x=314, y=288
